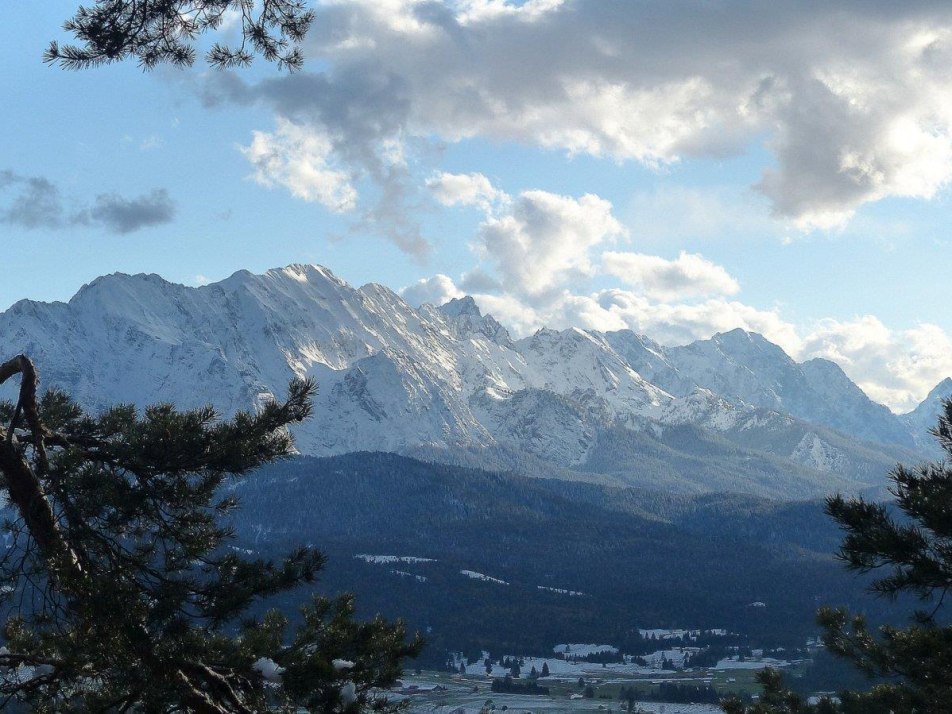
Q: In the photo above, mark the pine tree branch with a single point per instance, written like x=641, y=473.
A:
x=25, y=489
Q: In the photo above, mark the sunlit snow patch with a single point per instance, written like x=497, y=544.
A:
x=480, y=576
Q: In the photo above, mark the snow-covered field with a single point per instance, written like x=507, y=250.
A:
x=391, y=559
x=441, y=694
x=482, y=576
x=405, y=574
x=561, y=591
x=473, y=703
x=568, y=667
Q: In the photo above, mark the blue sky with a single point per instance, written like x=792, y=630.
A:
x=460, y=139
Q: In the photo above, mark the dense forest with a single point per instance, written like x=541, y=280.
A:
x=632, y=557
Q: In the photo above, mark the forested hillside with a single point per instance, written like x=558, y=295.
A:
x=577, y=562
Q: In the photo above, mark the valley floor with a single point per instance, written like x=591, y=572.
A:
x=456, y=696
x=445, y=693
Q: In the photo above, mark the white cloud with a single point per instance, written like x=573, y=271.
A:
x=521, y=319
x=894, y=367
x=854, y=100
x=543, y=248
x=688, y=276
x=436, y=290
x=544, y=240
x=672, y=323
x=466, y=190
x=300, y=159
x=897, y=368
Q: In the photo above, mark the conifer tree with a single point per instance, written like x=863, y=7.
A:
x=165, y=31
x=911, y=544
x=122, y=593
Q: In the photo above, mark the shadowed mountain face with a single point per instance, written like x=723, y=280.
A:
x=730, y=413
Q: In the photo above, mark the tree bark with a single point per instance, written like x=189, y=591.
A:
x=24, y=486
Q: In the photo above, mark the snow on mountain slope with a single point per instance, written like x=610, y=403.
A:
x=772, y=432
x=386, y=402
x=395, y=378
x=577, y=363
x=539, y=422
x=468, y=320
x=744, y=366
x=650, y=360
x=842, y=405
x=925, y=416
x=704, y=408
x=817, y=454
x=390, y=376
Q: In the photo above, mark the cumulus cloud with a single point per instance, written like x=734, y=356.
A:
x=541, y=249
x=542, y=246
x=854, y=99
x=353, y=128
x=436, y=290
x=618, y=309
x=38, y=203
x=300, y=159
x=689, y=275
x=682, y=322
x=465, y=189
x=544, y=240
x=895, y=367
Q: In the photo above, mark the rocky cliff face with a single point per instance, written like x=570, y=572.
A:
x=395, y=378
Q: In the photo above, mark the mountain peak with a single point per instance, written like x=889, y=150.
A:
x=307, y=273
x=116, y=286
x=924, y=417
x=742, y=342
x=739, y=336
x=466, y=314
x=461, y=306
x=454, y=370
x=738, y=333
x=943, y=390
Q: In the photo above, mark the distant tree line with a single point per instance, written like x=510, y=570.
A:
x=507, y=685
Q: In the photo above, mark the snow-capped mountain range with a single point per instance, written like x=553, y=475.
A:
x=733, y=412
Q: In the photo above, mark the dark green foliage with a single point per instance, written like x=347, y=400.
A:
x=911, y=544
x=642, y=558
x=672, y=692
x=153, y=614
x=159, y=31
x=508, y=686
